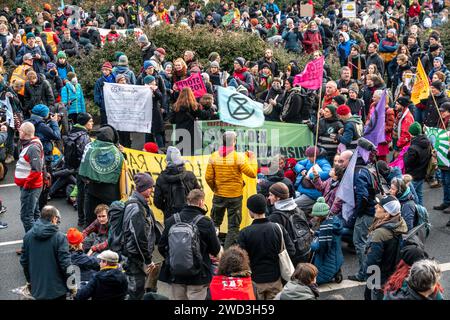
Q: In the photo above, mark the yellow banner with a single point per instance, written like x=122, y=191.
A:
x=140, y=161
x=421, y=86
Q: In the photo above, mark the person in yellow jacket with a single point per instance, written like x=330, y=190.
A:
x=224, y=177
x=19, y=74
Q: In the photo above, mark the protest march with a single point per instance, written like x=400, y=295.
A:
x=318, y=162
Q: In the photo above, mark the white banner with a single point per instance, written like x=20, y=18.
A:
x=123, y=33
x=4, y=104
x=349, y=9
x=128, y=107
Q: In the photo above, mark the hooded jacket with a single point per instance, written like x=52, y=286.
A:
x=383, y=246
x=45, y=260
x=269, y=180
x=88, y=265
x=293, y=109
x=344, y=48
x=294, y=290
x=47, y=133
x=39, y=93
x=126, y=72
x=312, y=41
x=353, y=129
x=417, y=157
x=99, y=99
x=326, y=127
x=38, y=65
x=169, y=177
x=109, y=284
x=291, y=40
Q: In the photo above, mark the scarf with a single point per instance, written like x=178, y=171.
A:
x=325, y=235
x=102, y=162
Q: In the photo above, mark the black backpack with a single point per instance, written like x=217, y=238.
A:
x=301, y=230
x=176, y=198
x=115, y=234
x=73, y=151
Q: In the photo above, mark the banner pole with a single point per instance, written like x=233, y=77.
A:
x=437, y=108
x=317, y=124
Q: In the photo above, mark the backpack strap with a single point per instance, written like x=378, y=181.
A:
x=177, y=218
x=197, y=219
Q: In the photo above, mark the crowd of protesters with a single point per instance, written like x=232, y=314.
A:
x=296, y=209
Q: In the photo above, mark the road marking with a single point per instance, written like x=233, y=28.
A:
x=8, y=185
x=8, y=243
x=346, y=284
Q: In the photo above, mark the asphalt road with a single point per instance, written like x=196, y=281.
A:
x=11, y=275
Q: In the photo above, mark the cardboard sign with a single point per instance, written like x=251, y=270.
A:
x=306, y=10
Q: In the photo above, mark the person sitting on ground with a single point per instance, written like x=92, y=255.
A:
x=330, y=187
x=302, y=285
x=328, y=257
x=96, y=234
x=233, y=279
x=109, y=284
x=422, y=282
x=88, y=265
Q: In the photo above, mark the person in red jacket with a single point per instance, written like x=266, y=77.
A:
x=29, y=175
x=96, y=234
x=414, y=11
x=312, y=40
x=402, y=124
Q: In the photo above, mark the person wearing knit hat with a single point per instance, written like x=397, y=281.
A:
x=312, y=152
x=148, y=64
x=257, y=204
x=61, y=55
x=415, y=129
x=143, y=182
x=343, y=110
x=214, y=64
x=143, y=39
x=71, y=75
x=339, y=100
x=389, y=205
x=51, y=66
x=107, y=66
x=320, y=208
x=278, y=191
x=123, y=60
x=121, y=78
x=74, y=237
x=30, y=35
x=173, y=157
x=149, y=79
x=83, y=118
x=151, y=147
x=393, y=31
x=240, y=61
x=354, y=87
x=117, y=55
x=353, y=128
x=214, y=56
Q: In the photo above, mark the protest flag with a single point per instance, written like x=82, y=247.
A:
x=195, y=82
x=345, y=191
x=238, y=109
x=440, y=140
x=312, y=76
x=421, y=86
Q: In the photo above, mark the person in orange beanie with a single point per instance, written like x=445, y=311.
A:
x=88, y=265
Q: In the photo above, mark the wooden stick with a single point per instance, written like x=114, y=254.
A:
x=439, y=113
x=317, y=124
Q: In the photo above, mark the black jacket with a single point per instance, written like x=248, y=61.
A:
x=82, y=140
x=327, y=127
x=88, y=265
x=294, y=109
x=375, y=59
x=139, y=232
x=272, y=94
x=69, y=47
x=265, y=185
x=169, y=177
x=39, y=93
x=148, y=52
x=431, y=114
x=273, y=66
x=417, y=157
x=262, y=241
x=107, y=284
x=45, y=260
x=210, y=245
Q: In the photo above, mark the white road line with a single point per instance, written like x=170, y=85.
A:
x=8, y=243
x=8, y=185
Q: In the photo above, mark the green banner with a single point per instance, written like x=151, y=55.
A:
x=227, y=19
x=440, y=140
x=273, y=138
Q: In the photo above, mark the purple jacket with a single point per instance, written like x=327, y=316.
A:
x=329, y=189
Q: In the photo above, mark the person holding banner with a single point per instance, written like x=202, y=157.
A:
x=224, y=175
x=157, y=133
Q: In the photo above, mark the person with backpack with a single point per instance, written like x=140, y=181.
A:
x=74, y=144
x=139, y=235
x=174, y=184
x=188, y=240
x=263, y=242
x=406, y=199
x=384, y=242
x=293, y=219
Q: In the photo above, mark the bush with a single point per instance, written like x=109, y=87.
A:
x=176, y=40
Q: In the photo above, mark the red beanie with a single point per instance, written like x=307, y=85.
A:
x=74, y=237
x=151, y=147
x=107, y=65
x=343, y=110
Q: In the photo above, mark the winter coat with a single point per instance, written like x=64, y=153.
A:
x=312, y=41
x=56, y=84
x=88, y=265
x=280, y=214
x=431, y=114
x=383, y=246
x=209, y=245
x=82, y=139
x=139, y=232
x=363, y=184
x=38, y=65
x=291, y=40
x=99, y=99
x=408, y=208
x=326, y=128
x=417, y=157
x=343, y=50
x=445, y=71
x=293, y=290
x=266, y=183
x=109, y=284
x=10, y=53
x=70, y=47
x=73, y=98
x=407, y=293
x=47, y=133
x=245, y=78
x=172, y=175
x=328, y=256
x=329, y=189
x=39, y=93
x=64, y=69
x=273, y=66
x=402, y=127
x=29, y=167
x=45, y=260
x=276, y=110
x=224, y=172
x=294, y=110
x=353, y=129
x=262, y=241
x=387, y=49
x=306, y=164
x=357, y=107
x=148, y=51
x=126, y=72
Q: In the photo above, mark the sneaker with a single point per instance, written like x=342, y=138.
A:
x=441, y=207
x=19, y=252
x=9, y=159
x=355, y=278
x=435, y=184
x=446, y=211
x=2, y=209
x=3, y=225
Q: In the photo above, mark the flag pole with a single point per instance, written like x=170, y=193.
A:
x=317, y=124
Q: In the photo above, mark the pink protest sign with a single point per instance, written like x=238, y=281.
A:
x=195, y=82
x=311, y=77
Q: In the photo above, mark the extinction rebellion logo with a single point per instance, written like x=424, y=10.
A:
x=104, y=161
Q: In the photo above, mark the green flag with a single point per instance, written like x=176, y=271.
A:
x=440, y=140
x=227, y=19
x=101, y=162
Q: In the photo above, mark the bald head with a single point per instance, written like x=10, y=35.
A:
x=26, y=131
x=344, y=159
